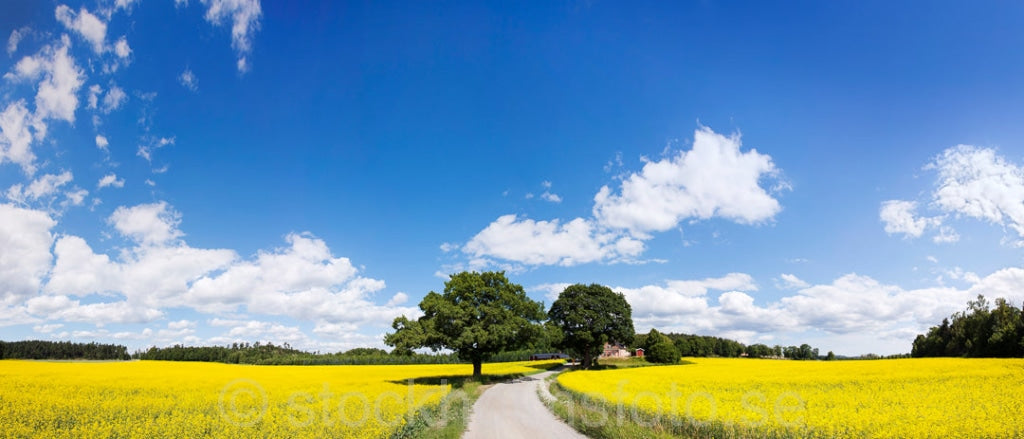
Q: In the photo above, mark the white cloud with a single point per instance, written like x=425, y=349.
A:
x=550, y=242
x=146, y=149
x=158, y=271
x=45, y=187
x=181, y=324
x=46, y=329
x=713, y=179
x=548, y=196
x=102, y=142
x=245, y=20
x=978, y=183
x=75, y=197
x=790, y=281
x=972, y=182
x=900, y=217
x=110, y=180
x=89, y=26
x=551, y=290
x=122, y=49
x=398, y=299
x=25, y=256
x=853, y=307
x=114, y=98
x=94, y=96
x=124, y=4
x=15, y=38
x=56, y=95
x=189, y=80
x=15, y=138
x=47, y=184
x=246, y=331
x=66, y=309
x=148, y=224
x=946, y=235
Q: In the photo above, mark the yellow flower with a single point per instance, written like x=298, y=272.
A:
x=907, y=398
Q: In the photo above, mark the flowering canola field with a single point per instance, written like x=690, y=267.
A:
x=157, y=399
x=907, y=398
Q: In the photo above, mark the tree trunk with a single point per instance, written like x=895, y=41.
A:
x=586, y=359
x=477, y=367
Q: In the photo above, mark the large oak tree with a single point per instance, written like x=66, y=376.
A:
x=478, y=315
x=589, y=316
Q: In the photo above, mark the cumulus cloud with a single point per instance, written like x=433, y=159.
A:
x=301, y=280
x=56, y=95
x=978, y=183
x=102, y=142
x=550, y=242
x=850, y=307
x=110, y=180
x=85, y=24
x=245, y=21
x=15, y=138
x=971, y=182
x=901, y=217
x=548, y=196
x=122, y=49
x=58, y=82
x=147, y=224
x=25, y=257
x=114, y=98
x=713, y=179
x=46, y=187
x=790, y=281
x=551, y=290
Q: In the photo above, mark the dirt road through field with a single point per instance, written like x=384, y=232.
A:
x=514, y=410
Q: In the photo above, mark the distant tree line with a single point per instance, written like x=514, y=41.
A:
x=61, y=350
x=668, y=347
x=978, y=331
x=271, y=354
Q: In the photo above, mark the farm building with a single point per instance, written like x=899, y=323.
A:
x=615, y=350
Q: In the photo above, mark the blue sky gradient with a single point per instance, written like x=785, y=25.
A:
x=210, y=171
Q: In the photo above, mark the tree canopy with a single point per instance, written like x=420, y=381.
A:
x=478, y=315
x=588, y=317
x=659, y=348
x=978, y=331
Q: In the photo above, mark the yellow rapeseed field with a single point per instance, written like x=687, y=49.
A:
x=153, y=399
x=907, y=398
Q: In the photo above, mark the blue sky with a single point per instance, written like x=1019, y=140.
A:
x=210, y=171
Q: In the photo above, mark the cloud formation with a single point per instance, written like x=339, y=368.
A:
x=158, y=271
x=715, y=179
x=245, y=20
x=853, y=306
x=971, y=182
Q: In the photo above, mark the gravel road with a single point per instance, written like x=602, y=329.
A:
x=514, y=410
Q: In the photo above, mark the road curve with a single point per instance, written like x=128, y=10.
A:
x=514, y=410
